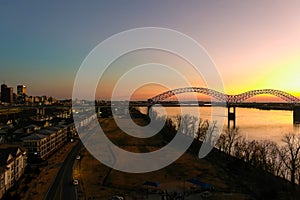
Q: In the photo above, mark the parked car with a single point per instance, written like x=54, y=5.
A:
x=78, y=157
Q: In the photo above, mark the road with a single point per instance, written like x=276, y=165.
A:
x=62, y=187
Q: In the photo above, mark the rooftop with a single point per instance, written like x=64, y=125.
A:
x=34, y=136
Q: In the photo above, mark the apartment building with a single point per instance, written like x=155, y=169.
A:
x=46, y=141
x=13, y=160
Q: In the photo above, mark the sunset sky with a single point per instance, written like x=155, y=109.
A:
x=255, y=44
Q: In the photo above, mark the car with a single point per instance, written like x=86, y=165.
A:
x=117, y=197
x=78, y=157
x=75, y=182
x=205, y=194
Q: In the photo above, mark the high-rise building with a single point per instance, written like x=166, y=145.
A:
x=6, y=94
x=21, y=94
x=3, y=87
x=21, y=90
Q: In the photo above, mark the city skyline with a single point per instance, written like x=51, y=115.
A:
x=254, y=44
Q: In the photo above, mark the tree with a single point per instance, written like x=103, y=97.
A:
x=277, y=163
x=211, y=136
x=231, y=136
x=221, y=144
x=290, y=154
x=202, y=129
x=269, y=156
x=187, y=124
x=240, y=148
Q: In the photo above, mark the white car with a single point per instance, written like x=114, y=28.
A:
x=78, y=157
x=116, y=197
x=75, y=182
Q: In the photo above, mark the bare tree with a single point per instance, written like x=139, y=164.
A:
x=187, y=125
x=221, y=144
x=251, y=152
x=211, y=133
x=270, y=158
x=290, y=154
x=231, y=135
x=240, y=148
x=202, y=129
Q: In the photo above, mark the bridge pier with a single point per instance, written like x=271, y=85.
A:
x=231, y=115
x=296, y=114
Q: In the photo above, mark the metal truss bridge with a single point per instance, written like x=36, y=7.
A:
x=229, y=99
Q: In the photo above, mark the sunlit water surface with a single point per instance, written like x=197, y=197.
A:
x=253, y=123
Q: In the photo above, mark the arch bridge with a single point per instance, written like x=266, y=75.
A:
x=230, y=100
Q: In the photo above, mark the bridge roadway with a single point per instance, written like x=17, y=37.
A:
x=14, y=109
x=267, y=106
x=275, y=105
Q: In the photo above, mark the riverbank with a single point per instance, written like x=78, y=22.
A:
x=231, y=178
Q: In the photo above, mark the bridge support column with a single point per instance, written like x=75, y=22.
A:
x=231, y=115
x=296, y=114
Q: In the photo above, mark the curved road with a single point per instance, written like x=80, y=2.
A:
x=62, y=187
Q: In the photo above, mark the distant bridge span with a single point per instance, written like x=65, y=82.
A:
x=229, y=99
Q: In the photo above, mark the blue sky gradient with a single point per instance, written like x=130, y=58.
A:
x=255, y=44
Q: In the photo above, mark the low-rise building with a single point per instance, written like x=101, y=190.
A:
x=36, y=144
x=46, y=141
x=13, y=161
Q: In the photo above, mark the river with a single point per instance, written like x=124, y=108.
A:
x=253, y=123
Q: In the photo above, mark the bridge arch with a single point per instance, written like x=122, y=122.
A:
x=281, y=94
x=231, y=99
x=165, y=95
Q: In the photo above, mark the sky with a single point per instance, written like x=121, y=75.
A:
x=255, y=44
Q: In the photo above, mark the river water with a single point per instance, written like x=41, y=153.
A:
x=253, y=123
